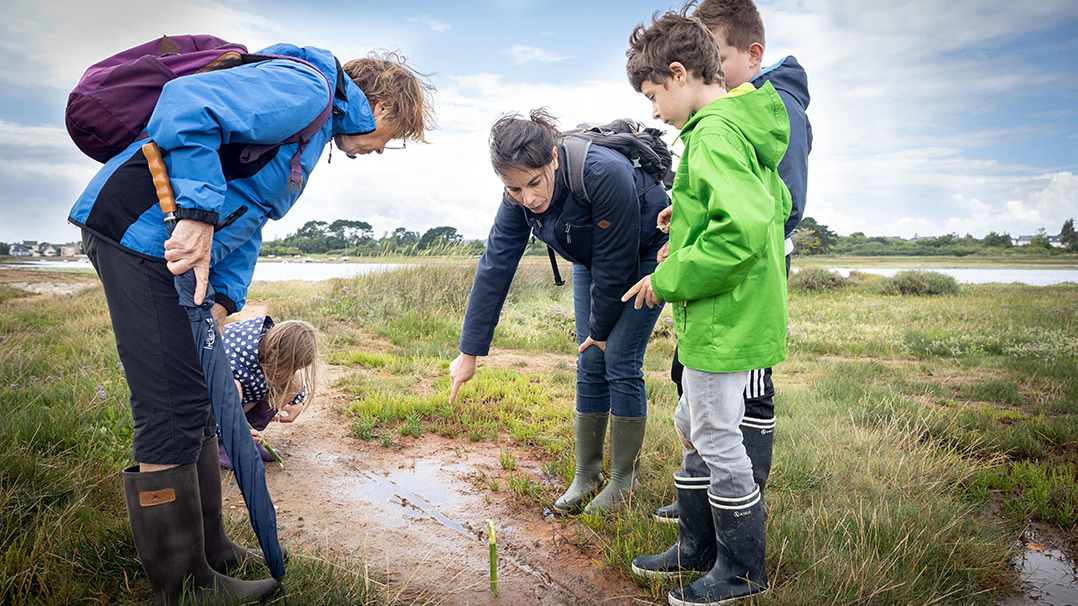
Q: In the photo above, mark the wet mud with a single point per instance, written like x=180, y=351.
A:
x=415, y=514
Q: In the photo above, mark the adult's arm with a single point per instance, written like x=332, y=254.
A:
x=494, y=274
x=615, y=239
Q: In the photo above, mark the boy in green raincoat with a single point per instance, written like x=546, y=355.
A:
x=725, y=277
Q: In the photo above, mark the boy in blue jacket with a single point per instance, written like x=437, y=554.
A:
x=739, y=31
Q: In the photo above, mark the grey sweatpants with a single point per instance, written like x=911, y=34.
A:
x=708, y=419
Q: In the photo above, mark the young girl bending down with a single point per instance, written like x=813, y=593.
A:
x=274, y=368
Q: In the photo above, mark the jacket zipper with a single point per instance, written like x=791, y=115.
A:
x=568, y=234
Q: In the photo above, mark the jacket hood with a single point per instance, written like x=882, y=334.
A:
x=351, y=112
x=757, y=114
x=787, y=76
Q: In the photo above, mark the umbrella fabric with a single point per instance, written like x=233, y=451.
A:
x=235, y=434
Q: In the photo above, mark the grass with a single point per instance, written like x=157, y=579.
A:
x=917, y=435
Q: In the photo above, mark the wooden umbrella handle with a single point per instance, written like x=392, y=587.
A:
x=165, y=199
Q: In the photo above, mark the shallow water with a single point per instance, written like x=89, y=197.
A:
x=313, y=271
x=1049, y=578
x=979, y=275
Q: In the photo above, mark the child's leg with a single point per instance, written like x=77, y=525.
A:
x=716, y=406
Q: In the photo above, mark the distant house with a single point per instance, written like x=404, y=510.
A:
x=71, y=249
x=1055, y=241
x=20, y=250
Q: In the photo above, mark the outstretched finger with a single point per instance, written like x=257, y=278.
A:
x=453, y=393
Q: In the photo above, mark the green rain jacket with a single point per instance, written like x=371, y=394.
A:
x=725, y=276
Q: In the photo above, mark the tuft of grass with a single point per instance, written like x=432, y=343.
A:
x=920, y=283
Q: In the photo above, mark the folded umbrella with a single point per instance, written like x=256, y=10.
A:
x=227, y=407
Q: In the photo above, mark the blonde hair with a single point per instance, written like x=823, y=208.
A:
x=285, y=349
x=387, y=77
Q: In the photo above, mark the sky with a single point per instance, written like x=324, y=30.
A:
x=928, y=118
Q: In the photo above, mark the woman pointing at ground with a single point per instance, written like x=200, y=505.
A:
x=611, y=242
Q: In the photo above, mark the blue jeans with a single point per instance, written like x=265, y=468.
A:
x=708, y=421
x=613, y=381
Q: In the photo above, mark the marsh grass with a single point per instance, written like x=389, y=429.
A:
x=902, y=419
x=64, y=536
x=899, y=417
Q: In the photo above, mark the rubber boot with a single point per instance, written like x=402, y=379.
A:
x=590, y=435
x=666, y=514
x=739, y=564
x=165, y=514
x=626, y=438
x=694, y=551
x=222, y=554
x=759, y=438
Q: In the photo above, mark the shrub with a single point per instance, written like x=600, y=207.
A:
x=816, y=279
x=920, y=283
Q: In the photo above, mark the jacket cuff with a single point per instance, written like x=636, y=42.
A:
x=205, y=216
x=226, y=302
x=473, y=348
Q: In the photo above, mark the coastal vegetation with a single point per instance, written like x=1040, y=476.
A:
x=922, y=427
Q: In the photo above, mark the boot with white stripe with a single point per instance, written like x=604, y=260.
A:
x=739, y=564
x=694, y=551
x=759, y=437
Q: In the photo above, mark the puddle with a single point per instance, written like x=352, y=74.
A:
x=1048, y=577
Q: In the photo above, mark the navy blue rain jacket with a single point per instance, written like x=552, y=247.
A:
x=791, y=82
x=608, y=237
x=202, y=123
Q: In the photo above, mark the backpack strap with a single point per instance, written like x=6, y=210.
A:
x=576, y=151
x=252, y=152
x=558, y=281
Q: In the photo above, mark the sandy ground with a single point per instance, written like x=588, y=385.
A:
x=412, y=514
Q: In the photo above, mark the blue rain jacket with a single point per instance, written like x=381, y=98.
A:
x=202, y=123
x=791, y=82
x=607, y=237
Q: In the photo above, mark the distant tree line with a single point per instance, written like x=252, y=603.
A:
x=356, y=238
x=814, y=238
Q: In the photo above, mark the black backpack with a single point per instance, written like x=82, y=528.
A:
x=642, y=145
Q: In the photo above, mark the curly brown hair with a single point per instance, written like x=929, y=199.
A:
x=672, y=37
x=386, y=76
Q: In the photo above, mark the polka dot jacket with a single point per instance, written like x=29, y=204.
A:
x=241, y=345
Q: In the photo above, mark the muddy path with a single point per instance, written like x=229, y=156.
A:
x=415, y=515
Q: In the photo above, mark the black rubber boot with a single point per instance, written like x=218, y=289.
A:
x=666, y=514
x=739, y=564
x=166, y=522
x=590, y=430
x=759, y=438
x=626, y=439
x=222, y=554
x=694, y=551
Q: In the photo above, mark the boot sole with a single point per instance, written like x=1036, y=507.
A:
x=664, y=519
x=676, y=602
x=664, y=575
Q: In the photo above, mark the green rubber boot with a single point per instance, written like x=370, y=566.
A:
x=166, y=523
x=626, y=438
x=590, y=435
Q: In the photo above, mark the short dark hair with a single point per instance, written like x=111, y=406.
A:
x=517, y=142
x=672, y=37
x=737, y=20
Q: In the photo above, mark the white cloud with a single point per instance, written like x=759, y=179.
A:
x=433, y=24
x=524, y=54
